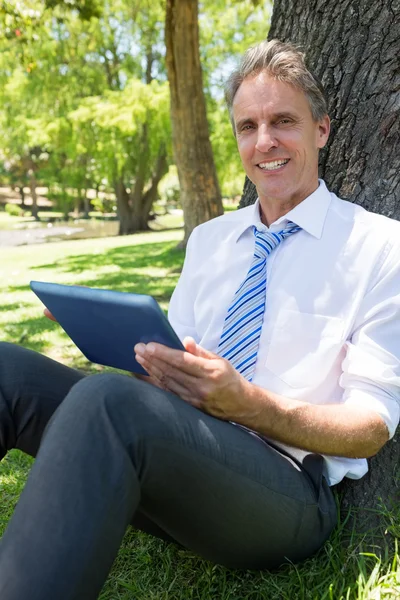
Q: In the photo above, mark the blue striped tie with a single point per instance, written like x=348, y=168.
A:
x=243, y=322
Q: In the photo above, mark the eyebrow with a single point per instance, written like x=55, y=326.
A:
x=275, y=117
x=285, y=115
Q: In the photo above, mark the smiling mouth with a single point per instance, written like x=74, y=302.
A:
x=273, y=165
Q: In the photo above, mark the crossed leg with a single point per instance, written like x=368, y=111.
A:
x=117, y=448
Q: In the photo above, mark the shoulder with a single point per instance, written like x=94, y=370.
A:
x=374, y=227
x=229, y=224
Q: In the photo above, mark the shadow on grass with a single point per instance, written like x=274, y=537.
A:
x=141, y=256
x=28, y=333
x=11, y=307
x=134, y=266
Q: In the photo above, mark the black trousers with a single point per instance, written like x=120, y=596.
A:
x=116, y=451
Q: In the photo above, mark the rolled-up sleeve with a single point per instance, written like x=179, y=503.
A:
x=371, y=368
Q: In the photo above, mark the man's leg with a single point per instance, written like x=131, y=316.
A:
x=32, y=386
x=117, y=445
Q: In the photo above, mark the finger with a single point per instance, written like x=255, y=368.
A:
x=146, y=379
x=152, y=370
x=48, y=314
x=182, y=361
x=166, y=373
x=168, y=384
x=191, y=346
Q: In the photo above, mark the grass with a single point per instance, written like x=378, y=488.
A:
x=146, y=568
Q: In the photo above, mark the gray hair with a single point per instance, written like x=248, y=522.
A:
x=284, y=62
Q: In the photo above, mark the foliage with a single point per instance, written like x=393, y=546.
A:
x=83, y=90
x=73, y=108
x=14, y=210
x=86, y=8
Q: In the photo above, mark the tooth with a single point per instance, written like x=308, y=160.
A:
x=273, y=164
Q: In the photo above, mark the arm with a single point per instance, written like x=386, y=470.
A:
x=211, y=384
x=358, y=426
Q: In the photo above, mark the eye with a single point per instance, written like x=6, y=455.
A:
x=247, y=127
x=284, y=121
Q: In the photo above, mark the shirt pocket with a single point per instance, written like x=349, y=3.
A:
x=304, y=347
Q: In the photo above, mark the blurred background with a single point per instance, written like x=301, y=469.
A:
x=86, y=124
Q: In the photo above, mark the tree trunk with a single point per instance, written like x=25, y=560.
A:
x=353, y=46
x=136, y=197
x=150, y=196
x=200, y=193
x=124, y=212
x=77, y=203
x=22, y=194
x=86, y=204
x=32, y=185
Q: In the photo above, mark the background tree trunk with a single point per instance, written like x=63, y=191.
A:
x=200, y=193
x=32, y=186
x=151, y=194
x=353, y=46
x=126, y=226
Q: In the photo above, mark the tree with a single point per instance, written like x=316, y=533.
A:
x=227, y=29
x=353, y=46
x=200, y=193
x=71, y=56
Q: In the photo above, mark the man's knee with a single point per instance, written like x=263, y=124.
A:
x=111, y=391
x=121, y=400
x=100, y=404
x=10, y=353
x=13, y=360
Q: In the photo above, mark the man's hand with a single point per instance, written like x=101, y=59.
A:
x=201, y=378
x=48, y=314
x=211, y=384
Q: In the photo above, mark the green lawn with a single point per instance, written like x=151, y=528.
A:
x=146, y=568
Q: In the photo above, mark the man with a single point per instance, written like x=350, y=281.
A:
x=290, y=313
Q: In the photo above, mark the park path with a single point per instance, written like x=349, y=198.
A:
x=23, y=237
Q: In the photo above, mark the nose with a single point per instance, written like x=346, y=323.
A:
x=265, y=139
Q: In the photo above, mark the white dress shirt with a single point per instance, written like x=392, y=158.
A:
x=331, y=331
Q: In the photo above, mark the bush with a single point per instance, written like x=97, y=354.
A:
x=104, y=205
x=14, y=210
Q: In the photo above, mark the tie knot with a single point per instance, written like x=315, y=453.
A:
x=267, y=241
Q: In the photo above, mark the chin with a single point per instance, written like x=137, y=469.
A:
x=275, y=193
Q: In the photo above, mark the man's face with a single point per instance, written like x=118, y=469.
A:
x=278, y=140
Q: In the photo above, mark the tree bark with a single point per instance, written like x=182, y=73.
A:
x=124, y=211
x=200, y=193
x=353, y=46
x=150, y=196
x=22, y=194
x=32, y=186
x=136, y=197
x=134, y=208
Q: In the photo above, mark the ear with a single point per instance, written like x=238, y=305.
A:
x=324, y=127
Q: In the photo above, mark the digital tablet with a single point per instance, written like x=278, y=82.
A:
x=106, y=325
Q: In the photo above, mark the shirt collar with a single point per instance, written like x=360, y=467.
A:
x=310, y=214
